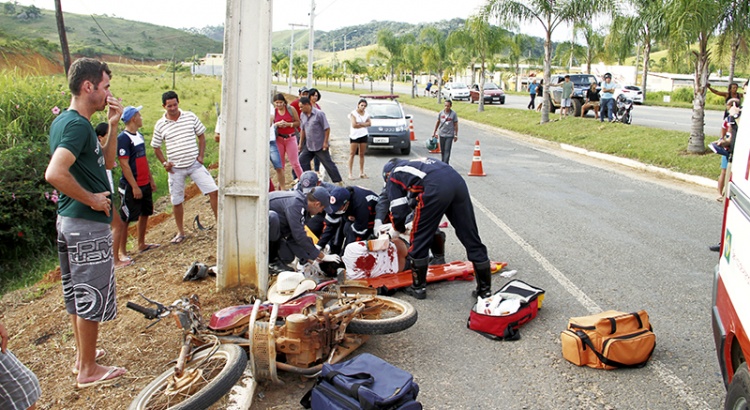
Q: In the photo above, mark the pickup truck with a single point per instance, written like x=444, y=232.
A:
x=581, y=83
x=730, y=307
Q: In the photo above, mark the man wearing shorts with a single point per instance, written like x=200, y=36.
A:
x=19, y=386
x=178, y=130
x=78, y=170
x=567, y=91
x=136, y=184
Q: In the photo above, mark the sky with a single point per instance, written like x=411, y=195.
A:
x=329, y=14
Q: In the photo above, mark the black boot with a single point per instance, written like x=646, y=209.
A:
x=275, y=265
x=483, y=274
x=437, y=247
x=418, y=289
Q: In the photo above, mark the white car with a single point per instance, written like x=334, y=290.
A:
x=456, y=91
x=632, y=92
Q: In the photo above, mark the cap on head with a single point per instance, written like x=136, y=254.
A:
x=324, y=197
x=607, y=75
x=303, y=90
x=307, y=181
x=129, y=112
x=339, y=197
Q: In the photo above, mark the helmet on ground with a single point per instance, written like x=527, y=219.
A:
x=431, y=144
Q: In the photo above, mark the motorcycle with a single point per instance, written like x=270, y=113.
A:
x=297, y=336
x=623, y=106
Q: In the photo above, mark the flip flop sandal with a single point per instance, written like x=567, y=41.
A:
x=178, y=239
x=109, y=378
x=150, y=246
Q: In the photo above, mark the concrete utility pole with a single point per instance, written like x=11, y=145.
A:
x=242, y=237
x=291, y=55
x=312, y=44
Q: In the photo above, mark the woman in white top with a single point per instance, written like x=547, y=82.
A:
x=360, y=120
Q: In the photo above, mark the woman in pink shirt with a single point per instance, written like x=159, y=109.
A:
x=286, y=120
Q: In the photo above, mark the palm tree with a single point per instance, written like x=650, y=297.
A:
x=550, y=14
x=356, y=67
x=375, y=70
x=594, y=44
x=644, y=22
x=691, y=22
x=390, y=49
x=518, y=47
x=734, y=33
x=481, y=41
x=413, y=61
x=435, y=54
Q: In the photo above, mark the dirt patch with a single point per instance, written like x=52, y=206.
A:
x=42, y=337
x=30, y=63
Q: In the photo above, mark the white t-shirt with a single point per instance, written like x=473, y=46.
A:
x=362, y=264
x=355, y=133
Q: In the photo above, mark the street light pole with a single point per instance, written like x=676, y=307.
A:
x=345, y=36
x=310, y=47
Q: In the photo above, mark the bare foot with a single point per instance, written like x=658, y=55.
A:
x=121, y=263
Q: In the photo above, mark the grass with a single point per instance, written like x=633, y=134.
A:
x=661, y=148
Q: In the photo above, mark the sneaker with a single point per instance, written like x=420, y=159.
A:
x=715, y=248
x=418, y=293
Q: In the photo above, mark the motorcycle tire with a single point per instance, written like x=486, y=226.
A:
x=221, y=372
x=627, y=119
x=397, y=315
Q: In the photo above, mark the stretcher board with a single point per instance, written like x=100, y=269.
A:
x=456, y=270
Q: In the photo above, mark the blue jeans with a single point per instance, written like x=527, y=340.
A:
x=607, y=105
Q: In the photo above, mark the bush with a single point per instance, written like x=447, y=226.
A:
x=28, y=105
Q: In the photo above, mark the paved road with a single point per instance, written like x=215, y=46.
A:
x=667, y=118
x=595, y=237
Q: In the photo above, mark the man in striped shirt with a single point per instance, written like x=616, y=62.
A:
x=178, y=130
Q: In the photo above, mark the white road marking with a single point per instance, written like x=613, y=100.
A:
x=667, y=376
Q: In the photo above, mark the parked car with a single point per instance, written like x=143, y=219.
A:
x=632, y=92
x=390, y=126
x=492, y=94
x=581, y=82
x=455, y=91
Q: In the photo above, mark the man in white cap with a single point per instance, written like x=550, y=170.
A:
x=136, y=184
x=288, y=211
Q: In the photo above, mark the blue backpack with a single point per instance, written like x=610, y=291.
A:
x=365, y=382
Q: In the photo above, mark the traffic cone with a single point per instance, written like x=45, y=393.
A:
x=476, y=163
x=412, y=137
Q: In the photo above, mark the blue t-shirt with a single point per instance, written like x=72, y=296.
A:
x=532, y=88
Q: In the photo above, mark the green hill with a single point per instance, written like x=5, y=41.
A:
x=100, y=34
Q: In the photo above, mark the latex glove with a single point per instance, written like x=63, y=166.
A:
x=331, y=258
x=384, y=228
x=378, y=224
x=408, y=226
x=393, y=233
x=319, y=247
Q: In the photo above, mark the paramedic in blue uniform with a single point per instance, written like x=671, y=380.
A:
x=352, y=220
x=287, y=238
x=438, y=190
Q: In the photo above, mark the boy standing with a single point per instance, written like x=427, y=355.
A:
x=567, y=91
x=136, y=185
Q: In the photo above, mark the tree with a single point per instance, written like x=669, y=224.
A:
x=594, y=49
x=390, y=49
x=413, y=61
x=518, y=47
x=435, y=54
x=356, y=67
x=481, y=40
x=550, y=14
x=9, y=8
x=695, y=22
x=646, y=23
x=734, y=32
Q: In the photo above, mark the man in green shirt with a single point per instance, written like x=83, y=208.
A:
x=78, y=170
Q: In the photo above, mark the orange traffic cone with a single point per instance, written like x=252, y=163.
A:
x=412, y=137
x=476, y=163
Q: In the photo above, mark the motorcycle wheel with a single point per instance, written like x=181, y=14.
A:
x=627, y=119
x=220, y=372
x=383, y=315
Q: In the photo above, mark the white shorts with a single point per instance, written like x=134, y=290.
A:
x=362, y=264
x=198, y=173
x=566, y=102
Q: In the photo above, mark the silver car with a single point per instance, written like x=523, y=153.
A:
x=456, y=91
x=390, y=126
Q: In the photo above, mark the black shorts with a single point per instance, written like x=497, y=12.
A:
x=360, y=140
x=131, y=208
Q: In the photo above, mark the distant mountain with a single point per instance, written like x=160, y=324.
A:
x=94, y=35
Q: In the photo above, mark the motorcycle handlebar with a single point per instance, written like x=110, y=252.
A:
x=148, y=313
